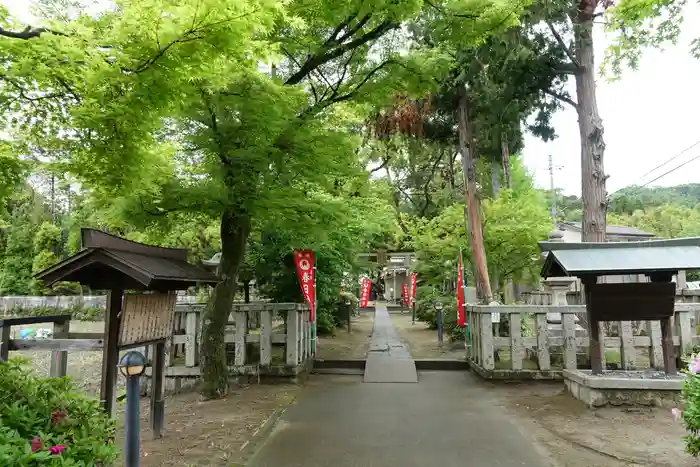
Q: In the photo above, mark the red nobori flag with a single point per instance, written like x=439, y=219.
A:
x=305, y=260
x=461, y=321
x=414, y=280
x=405, y=294
x=364, y=292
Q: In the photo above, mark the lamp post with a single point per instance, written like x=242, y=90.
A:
x=348, y=305
x=440, y=326
x=132, y=365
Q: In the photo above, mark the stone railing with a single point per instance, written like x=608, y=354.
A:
x=525, y=341
x=262, y=339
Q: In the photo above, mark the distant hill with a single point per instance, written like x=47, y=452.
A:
x=633, y=198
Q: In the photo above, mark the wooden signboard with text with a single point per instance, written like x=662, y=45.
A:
x=146, y=318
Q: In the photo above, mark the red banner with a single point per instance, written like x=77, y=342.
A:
x=414, y=281
x=461, y=320
x=365, y=289
x=305, y=260
x=406, y=298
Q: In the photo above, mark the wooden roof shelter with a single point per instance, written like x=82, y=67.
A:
x=659, y=260
x=108, y=262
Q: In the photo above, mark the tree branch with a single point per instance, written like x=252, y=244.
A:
x=325, y=56
x=562, y=98
x=350, y=94
x=28, y=33
x=563, y=45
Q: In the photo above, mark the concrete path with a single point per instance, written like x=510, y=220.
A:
x=445, y=420
x=388, y=359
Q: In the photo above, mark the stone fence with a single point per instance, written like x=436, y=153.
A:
x=538, y=342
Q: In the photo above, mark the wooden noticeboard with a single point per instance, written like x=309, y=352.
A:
x=146, y=318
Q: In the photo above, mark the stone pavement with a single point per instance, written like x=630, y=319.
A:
x=388, y=359
x=447, y=419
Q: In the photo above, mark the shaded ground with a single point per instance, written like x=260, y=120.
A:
x=578, y=437
x=344, y=345
x=211, y=433
x=423, y=342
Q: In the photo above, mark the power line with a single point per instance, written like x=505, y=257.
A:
x=673, y=169
x=639, y=187
x=671, y=159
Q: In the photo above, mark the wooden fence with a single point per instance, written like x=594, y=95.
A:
x=273, y=339
x=262, y=339
x=532, y=347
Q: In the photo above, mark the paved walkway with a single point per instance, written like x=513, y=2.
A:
x=388, y=359
x=444, y=420
x=447, y=419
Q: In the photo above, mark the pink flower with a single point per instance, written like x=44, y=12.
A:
x=36, y=444
x=676, y=412
x=55, y=450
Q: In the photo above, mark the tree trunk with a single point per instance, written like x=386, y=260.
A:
x=505, y=159
x=472, y=211
x=235, y=228
x=590, y=128
x=495, y=178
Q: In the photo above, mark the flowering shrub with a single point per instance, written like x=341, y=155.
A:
x=47, y=422
x=691, y=406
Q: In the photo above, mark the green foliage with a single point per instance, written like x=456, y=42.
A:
x=639, y=24
x=77, y=312
x=513, y=224
x=666, y=221
x=40, y=415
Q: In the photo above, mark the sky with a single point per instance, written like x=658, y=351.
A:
x=649, y=116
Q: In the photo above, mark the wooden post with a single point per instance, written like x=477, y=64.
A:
x=265, y=336
x=544, y=361
x=241, y=331
x=667, y=347
x=685, y=331
x=516, y=342
x=59, y=358
x=292, y=346
x=5, y=342
x=569, y=324
x=486, y=340
x=656, y=359
x=110, y=353
x=594, y=346
x=628, y=356
x=158, y=390
x=191, y=340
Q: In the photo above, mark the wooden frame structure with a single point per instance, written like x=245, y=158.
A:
x=111, y=263
x=659, y=260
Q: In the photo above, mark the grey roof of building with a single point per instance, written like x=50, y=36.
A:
x=611, y=230
x=582, y=259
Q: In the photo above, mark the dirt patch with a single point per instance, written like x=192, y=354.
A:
x=423, y=342
x=575, y=436
x=210, y=433
x=352, y=345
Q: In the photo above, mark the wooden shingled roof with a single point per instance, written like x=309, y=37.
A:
x=110, y=262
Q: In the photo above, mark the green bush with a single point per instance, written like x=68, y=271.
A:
x=78, y=312
x=46, y=421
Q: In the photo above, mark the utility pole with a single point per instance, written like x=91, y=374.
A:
x=551, y=188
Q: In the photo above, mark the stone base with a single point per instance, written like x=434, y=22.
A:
x=630, y=388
